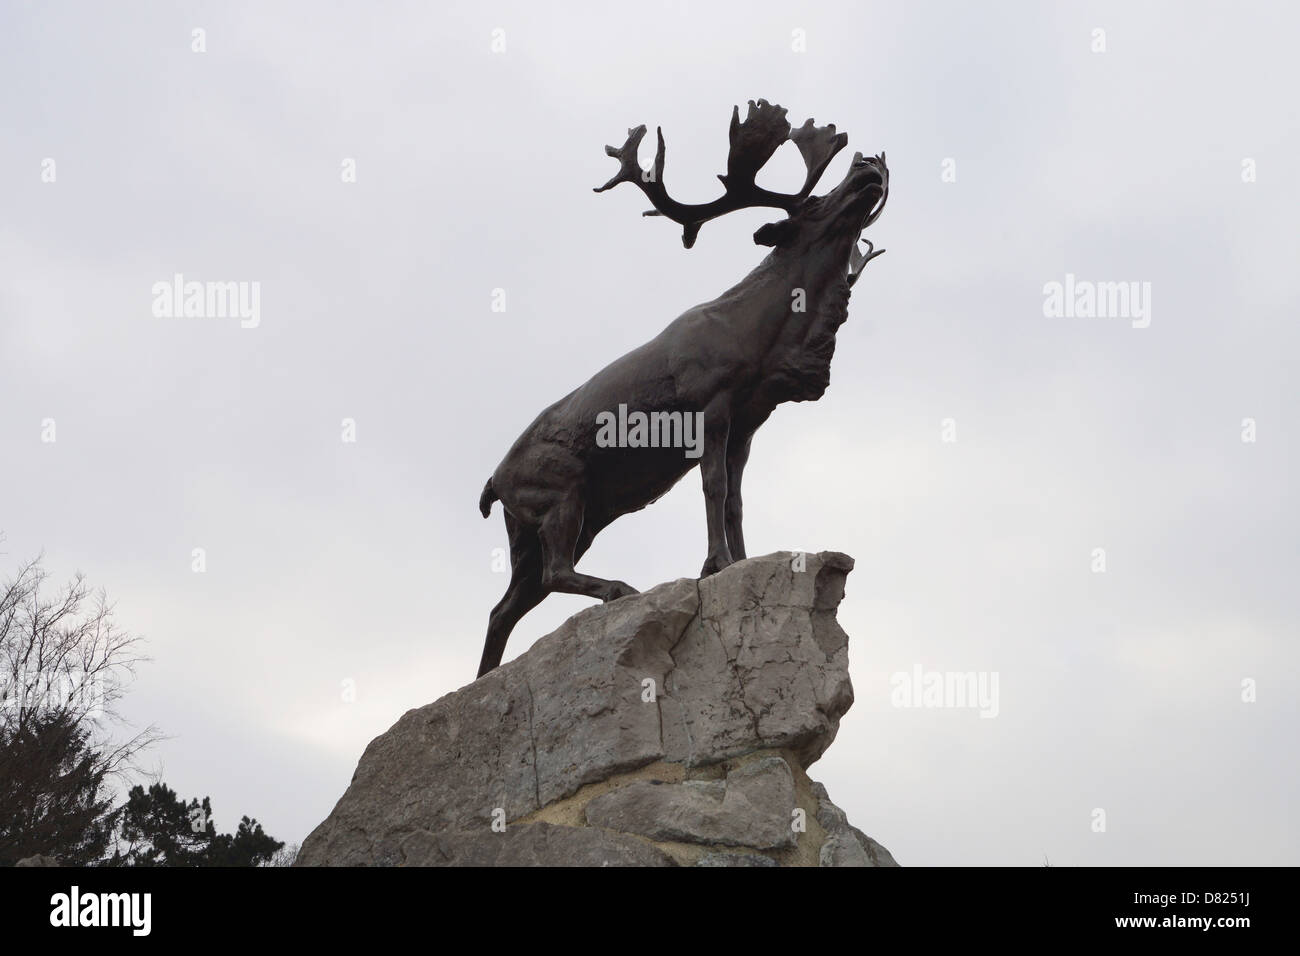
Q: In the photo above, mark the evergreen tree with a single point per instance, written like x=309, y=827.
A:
x=158, y=828
x=53, y=795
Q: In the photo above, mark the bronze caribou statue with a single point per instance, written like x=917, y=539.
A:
x=725, y=364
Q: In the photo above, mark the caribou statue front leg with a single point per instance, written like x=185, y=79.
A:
x=737, y=456
x=713, y=469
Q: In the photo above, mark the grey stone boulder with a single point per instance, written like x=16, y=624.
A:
x=696, y=684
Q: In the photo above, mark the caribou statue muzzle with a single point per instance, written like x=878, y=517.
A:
x=724, y=364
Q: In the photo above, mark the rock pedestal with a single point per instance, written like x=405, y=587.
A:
x=672, y=727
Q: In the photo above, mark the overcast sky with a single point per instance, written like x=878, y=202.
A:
x=1169, y=158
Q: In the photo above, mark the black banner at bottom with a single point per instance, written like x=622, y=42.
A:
x=1149, y=905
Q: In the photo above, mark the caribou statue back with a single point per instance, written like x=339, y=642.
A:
x=696, y=393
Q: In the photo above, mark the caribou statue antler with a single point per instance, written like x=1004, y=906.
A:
x=703, y=385
x=752, y=144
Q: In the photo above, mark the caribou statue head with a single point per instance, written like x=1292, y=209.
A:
x=697, y=392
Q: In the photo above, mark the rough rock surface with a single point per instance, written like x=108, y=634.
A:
x=845, y=844
x=531, y=844
x=751, y=808
x=671, y=727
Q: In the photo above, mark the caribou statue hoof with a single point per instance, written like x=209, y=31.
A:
x=715, y=564
x=619, y=589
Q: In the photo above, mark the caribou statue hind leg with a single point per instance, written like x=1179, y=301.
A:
x=524, y=592
x=539, y=568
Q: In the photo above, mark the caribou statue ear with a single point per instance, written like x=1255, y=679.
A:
x=775, y=233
